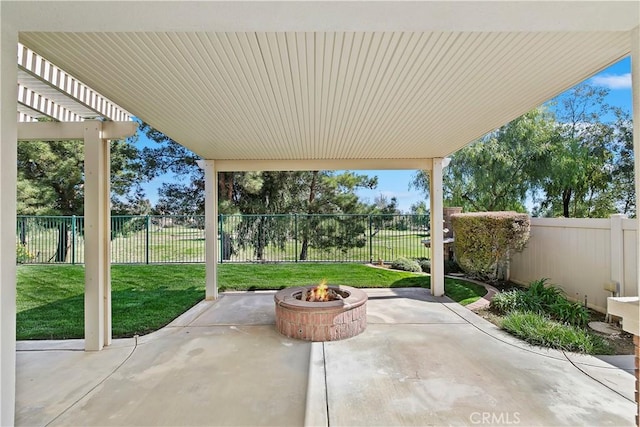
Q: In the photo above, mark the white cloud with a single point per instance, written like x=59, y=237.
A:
x=613, y=81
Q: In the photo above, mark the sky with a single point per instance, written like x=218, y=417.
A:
x=616, y=78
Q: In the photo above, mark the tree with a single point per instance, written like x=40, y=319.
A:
x=331, y=193
x=579, y=172
x=384, y=211
x=257, y=195
x=572, y=162
x=51, y=180
x=499, y=170
x=421, y=214
x=623, y=173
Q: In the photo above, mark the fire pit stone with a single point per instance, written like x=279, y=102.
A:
x=332, y=320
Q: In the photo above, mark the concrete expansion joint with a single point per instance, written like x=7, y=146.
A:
x=98, y=384
x=317, y=406
x=529, y=350
x=595, y=379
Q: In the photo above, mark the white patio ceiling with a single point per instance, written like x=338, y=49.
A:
x=298, y=80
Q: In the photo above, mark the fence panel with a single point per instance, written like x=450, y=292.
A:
x=243, y=238
x=581, y=256
x=50, y=239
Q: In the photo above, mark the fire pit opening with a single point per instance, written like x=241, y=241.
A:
x=321, y=313
x=322, y=293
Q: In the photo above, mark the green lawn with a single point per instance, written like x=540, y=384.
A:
x=50, y=299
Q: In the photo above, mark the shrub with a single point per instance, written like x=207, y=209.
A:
x=506, y=302
x=425, y=265
x=572, y=313
x=485, y=241
x=538, y=329
x=406, y=264
x=450, y=266
x=23, y=254
x=544, y=299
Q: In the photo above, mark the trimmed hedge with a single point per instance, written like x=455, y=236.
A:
x=484, y=242
x=406, y=264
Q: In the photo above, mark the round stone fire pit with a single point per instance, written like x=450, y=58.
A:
x=321, y=321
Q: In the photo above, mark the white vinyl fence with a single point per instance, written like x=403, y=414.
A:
x=581, y=255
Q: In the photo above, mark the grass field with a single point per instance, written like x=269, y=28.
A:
x=50, y=299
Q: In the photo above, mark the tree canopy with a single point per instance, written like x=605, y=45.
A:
x=562, y=159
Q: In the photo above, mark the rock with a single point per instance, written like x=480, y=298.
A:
x=605, y=328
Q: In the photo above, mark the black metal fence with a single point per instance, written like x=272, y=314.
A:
x=242, y=238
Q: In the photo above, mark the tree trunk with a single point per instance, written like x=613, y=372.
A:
x=260, y=242
x=63, y=242
x=305, y=233
x=225, y=185
x=566, y=201
x=23, y=232
x=305, y=246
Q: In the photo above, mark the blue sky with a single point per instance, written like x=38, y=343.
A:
x=616, y=78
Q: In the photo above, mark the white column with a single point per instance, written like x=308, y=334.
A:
x=212, y=244
x=97, y=229
x=437, y=228
x=8, y=173
x=635, y=96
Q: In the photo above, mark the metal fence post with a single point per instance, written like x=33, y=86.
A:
x=370, y=239
x=295, y=236
x=146, y=239
x=73, y=240
x=221, y=237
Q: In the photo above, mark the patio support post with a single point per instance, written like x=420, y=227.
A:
x=97, y=229
x=635, y=96
x=8, y=173
x=211, y=227
x=437, y=228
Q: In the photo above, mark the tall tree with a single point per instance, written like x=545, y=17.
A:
x=579, y=171
x=256, y=195
x=51, y=180
x=331, y=193
x=420, y=213
x=498, y=171
x=623, y=173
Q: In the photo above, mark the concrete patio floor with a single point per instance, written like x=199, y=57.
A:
x=421, y=361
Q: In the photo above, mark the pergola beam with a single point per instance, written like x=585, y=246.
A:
x=47, y=76
x=58, y=131
x=45, y=106
x=322, y=164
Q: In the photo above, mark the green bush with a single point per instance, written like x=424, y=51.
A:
x=485, y=241
x=544, y=299
x=425, y=265
x=506, y=302
x=572, y=313
x=539, y=297
x=406, y=264
x=23, y=254
x=537, y=329
x=450, y=266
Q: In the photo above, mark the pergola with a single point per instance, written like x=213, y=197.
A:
x=291, y=85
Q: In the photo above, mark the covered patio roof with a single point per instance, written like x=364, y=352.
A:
x=329, y=80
